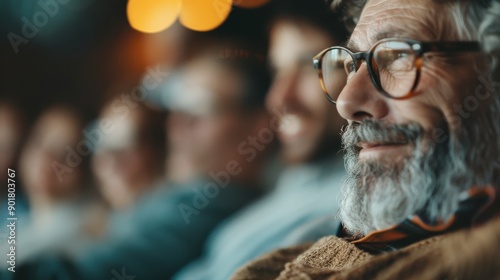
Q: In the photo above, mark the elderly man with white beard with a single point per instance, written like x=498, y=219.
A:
x=422, y=146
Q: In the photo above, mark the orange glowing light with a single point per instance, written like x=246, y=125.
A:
x=151, y=16
x=204, y=15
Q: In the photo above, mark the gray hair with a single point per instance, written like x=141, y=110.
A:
x=473, y=19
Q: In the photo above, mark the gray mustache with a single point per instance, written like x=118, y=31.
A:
x=373, y=131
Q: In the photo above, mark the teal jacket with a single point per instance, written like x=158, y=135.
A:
x=164, y=232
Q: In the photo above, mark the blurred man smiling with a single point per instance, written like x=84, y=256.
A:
x=422, y=149
x=309, y=132
x=309, y=129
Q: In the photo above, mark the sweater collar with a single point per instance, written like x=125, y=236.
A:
x=477, y=206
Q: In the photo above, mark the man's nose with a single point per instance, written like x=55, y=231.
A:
x=360, y=100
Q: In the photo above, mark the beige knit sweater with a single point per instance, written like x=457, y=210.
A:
x=466, y=254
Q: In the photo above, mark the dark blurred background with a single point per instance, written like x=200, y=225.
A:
x=88, y=46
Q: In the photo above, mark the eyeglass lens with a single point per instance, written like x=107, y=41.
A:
x=393, y=68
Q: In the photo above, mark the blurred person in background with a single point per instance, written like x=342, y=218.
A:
x=210, y=126
x=13, y=128
x=54, y=175
x=128, y=159
x=302, y=206
x=169, y=226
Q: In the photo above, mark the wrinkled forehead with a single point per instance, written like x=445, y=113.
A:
x=383, y=19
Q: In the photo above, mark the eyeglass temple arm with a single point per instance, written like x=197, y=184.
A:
x=450, y=46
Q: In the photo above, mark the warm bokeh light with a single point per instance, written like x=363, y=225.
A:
x=250, y=3
x=151, y=16
x=204, y=15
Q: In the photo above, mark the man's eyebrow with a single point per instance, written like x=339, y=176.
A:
x=394, y=33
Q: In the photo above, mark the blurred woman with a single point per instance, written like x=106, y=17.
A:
x=53, y=169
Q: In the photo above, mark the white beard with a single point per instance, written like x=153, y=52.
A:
x=379, y=195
